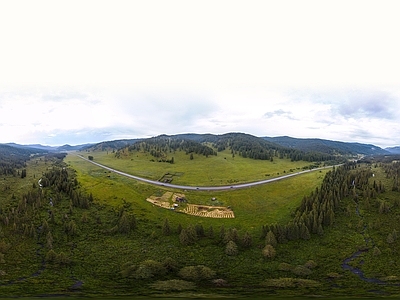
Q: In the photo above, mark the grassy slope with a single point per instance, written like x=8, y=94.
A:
x=214, y=170
x=253, y=207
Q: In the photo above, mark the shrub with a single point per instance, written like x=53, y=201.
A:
x=301, y=271
x=170, y=264
x=285, y=267
x=310, y=264
x=333, y=275
x=145, y=270
x=269, y=251
x=148, y=269
x=220, y=282
x=196, y=273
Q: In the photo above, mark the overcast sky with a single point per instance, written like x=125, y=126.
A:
x=88, y=71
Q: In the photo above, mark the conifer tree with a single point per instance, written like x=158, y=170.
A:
x=270, y=239
x=390, y=239
x=184, y=238
x=247, y=240
x=179, y=229
x=231, y=248
x=166, y=229
x=304, y=233
x=210, y=232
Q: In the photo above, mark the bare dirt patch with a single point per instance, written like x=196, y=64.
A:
x=174, y=201
x=209, y=211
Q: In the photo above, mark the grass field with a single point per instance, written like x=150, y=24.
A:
x=253, y=207
x=222, y=169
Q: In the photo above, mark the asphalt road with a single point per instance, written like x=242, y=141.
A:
x=204, y=188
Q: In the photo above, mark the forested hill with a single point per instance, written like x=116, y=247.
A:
x=160, y=147
x=111, y=145
x=393, y=150
x=12, y=158
x=327, y=146
x=245, y=145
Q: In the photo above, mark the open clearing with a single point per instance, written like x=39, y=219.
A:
x=219, y=170
x=173, y=201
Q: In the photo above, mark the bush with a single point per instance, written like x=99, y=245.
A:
x=170, y=264
x=285, y=267
x=145, y=270
x=196, y=273
x=333, y=275
x=310, y=264
x=220, y=282
x=301, y=271
x=269, y=251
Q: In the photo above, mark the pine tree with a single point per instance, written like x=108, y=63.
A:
x=304, y=232
x=179, y=229
x=270, y=239
x=231, y=248
x=184, y=238
x=210, y=232
x=376, y=251
x=166, y=229
x=45, y=227
x=222, y=233
x=49, y=240
x=390, y=239
x=247, y=240
x=320, y=230
x=199, y=230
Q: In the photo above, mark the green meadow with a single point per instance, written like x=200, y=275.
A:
x=222, y=169
x=253, y=207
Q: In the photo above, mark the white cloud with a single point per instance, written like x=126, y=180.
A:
x=98, y=70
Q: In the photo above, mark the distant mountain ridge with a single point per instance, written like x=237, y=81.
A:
x=327, y=146
x=393, y=150
x=222, y=140
x=48, y=148
x=241, y=144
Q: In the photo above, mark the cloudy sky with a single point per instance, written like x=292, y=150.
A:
x=88, y=71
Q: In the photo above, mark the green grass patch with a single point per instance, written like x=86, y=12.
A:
x=222, y=169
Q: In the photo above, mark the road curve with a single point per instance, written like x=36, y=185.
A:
x=204, y=188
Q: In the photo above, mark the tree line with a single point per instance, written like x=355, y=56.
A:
x=161, y=147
